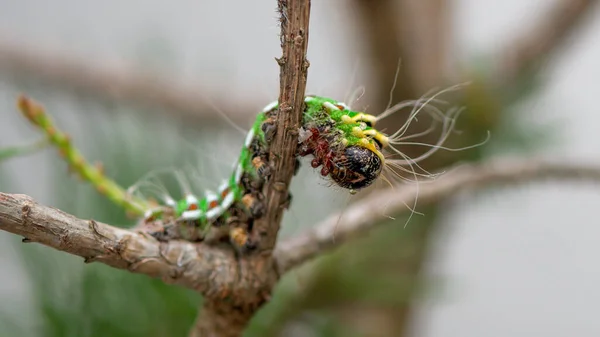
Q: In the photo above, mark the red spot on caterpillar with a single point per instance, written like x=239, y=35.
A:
x=339, y=106
x=213, y=204
x=192, y=207
x=319, y=147
x=224, y=193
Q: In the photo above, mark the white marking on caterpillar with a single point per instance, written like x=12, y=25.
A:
x=228, y=200
x=249, y=138
x=270, y=106
x=210, y=196
x=148, y=213
x=191, y=215
x=191, y=199
x=214, y=213
x=224, y=185
x=170, y=201
x=330, y=106
x=238, y=173
x=308, y=99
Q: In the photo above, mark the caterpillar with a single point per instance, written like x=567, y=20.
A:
x=345, y=144
x=342, y=141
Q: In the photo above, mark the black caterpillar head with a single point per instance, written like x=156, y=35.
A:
x=357, y=167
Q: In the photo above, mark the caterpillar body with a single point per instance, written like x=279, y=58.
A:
x=342, y=141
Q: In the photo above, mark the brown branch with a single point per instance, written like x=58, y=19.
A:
x=371, y=211
x=545, y=37
x=295, y=16
x=111, y=82
x=218, y=318
x=199, y=267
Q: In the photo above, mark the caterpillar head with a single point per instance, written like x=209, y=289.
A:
x=351, y=148
x=356, y=168
x=344, y=142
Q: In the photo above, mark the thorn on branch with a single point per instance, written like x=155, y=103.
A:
x=280, y=186
x=280, y=61
x=305, y=65
x=287, y=202
x=91, y=259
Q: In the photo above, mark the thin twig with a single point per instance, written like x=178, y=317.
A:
x=371, y=211
x=94, y=174
x=205, y=269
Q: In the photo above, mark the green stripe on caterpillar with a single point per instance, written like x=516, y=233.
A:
x=345, y=143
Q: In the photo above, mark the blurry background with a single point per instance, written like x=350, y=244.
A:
x=141, y=85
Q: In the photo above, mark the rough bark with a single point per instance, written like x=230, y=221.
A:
x=259, y=269
x=206, y=269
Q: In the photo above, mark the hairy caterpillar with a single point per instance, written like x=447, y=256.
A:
x=346, y=145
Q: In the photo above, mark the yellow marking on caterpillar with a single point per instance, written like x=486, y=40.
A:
x=358, y=132
x=382, y=139
x=368, y=144
x=330, y=106
x=360, y=117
